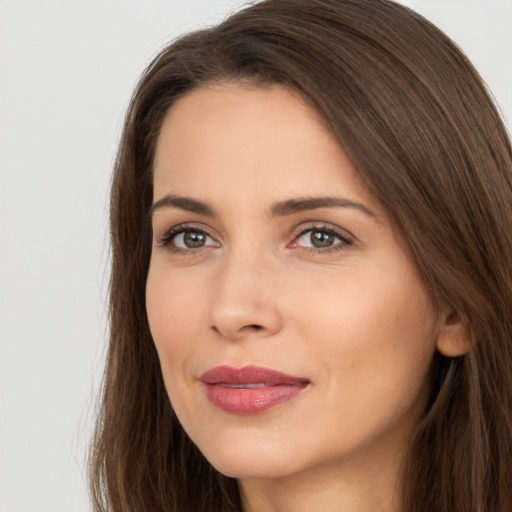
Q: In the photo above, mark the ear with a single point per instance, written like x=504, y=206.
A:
x=453, y=339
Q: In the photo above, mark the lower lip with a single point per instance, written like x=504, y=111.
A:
x=251, y=400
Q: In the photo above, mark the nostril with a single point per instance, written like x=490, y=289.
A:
x=254, y=327
x=249, y=327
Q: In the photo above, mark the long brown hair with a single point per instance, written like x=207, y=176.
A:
x=418, y=124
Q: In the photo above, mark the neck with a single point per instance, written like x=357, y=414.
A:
x=350, y=486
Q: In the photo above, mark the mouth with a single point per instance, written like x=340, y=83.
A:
x=251, y=389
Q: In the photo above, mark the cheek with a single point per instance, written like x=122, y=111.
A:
x=373, y=333
x=373, y=347
x=173, y=311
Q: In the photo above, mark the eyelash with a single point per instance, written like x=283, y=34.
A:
x=166, y=240
x=345, y=239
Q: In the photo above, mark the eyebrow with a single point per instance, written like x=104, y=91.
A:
x=183, y=203
x=312, y=203
x=279, y=209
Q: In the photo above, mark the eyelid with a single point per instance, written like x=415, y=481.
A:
x=166, y=239
x=346, y=238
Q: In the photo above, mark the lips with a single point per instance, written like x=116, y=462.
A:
x=251, y=389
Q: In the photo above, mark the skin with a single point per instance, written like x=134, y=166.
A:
x=354, y=317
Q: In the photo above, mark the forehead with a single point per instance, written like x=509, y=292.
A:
x=230, y=115
x=238, y=141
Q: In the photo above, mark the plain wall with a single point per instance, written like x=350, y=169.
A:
x=67, y=69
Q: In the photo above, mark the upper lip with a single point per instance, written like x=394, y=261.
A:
x=250, y=375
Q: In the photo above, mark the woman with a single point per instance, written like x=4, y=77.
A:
x=311, y=287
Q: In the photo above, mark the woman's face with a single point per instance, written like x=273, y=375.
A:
x=293, y=330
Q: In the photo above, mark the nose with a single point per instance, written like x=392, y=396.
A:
x=245, y=300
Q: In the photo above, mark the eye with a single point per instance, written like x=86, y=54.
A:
x=181, y=238
x=321, y=239
x=191, y=240
x=318, y=238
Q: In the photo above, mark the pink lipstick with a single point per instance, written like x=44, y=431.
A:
x=251, y=389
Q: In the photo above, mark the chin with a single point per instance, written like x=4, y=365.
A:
x=245, y=459
x=252, y=468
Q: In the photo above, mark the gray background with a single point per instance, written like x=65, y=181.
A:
x=67, y=69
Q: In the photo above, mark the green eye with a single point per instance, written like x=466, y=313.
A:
x=322, y=238
x=318, y=238
x=191, y=239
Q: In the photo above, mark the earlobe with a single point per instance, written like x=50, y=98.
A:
x=453, y=339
